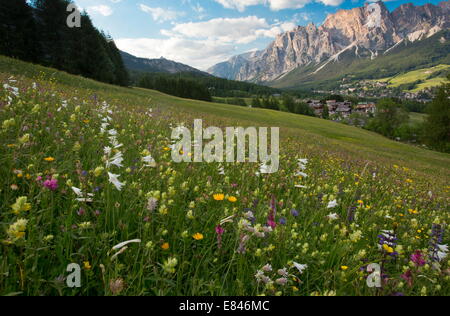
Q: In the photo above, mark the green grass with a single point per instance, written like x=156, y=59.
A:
x=429, y=83
x=416, y=75
x=417, y=118
x=378, y=185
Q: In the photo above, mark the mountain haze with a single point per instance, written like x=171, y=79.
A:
x=160, y=65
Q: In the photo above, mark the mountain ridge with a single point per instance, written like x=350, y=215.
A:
x=370, y=30
x=159, y=65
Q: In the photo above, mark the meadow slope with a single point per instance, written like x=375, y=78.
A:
x=86, y=166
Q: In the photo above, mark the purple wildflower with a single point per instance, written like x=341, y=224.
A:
x=219, y=232
x=418, y=259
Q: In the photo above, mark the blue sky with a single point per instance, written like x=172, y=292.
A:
x=202, y=33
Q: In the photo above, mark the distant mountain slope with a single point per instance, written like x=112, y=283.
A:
x=361, y=33
x=231, y=68
x=160, y=65
x=404, y=57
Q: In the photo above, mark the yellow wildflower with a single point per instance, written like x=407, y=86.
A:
x=232, y=199
x=219, y=197
x=16, y=231
x=21, y=205
x=388, y=249
x=198, y=236
x=165, y=246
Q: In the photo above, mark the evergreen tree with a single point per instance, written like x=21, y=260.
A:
x=325, y=113
x=256, y=103
x=18, y=37
x=389, y=116
x=53, y=31
x=289, y=103
x=437, y=126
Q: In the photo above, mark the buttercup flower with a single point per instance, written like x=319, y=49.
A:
x=198, y=236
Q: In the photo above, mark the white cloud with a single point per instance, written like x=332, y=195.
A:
x=100, y=9
x=200, y=54
x=333, y=3
x=160, y=14
x=239, y=5
x=228, y=30
x=203, y=44
x=275, y=5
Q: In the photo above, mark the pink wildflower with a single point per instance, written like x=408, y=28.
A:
x=51, y=184
x=418, y=259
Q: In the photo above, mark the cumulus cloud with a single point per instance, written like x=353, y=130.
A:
x=160, y=14
x=100, y=9
x=333, y=3
x=228, y=30
x=205, y=43
x=239, y=5
x=275, y=5
x=201, y=54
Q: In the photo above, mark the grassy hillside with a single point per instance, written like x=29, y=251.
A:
x=404, y=58
x=204, y=229
x=417, y=118
x=428, y=77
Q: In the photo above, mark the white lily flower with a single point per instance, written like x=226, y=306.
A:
x=122, y=244
x=116, y=160
x=150, y=162
x=300, y=267
x=112, y=132
x=301, y=174
x=443, y=248
x=333, y=216
x=229, y=219
x=77, y=191
x=441, y=255
x=114, y=142
x=107, y=150
x=332, y=204
x=113, y=178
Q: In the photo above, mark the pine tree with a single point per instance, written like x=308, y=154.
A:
x=325, y=113
x=437, y=125
x=53, y=31
x=18, y=37
x=256, y=103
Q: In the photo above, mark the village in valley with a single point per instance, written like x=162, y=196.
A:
x=374, y=89
x=340, y=110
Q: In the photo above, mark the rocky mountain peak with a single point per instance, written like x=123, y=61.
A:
x=371, y=27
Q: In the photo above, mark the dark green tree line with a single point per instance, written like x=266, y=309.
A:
x=38, y=32
x=179, y=87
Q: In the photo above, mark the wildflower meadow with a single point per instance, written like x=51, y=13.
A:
x=87, y=179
